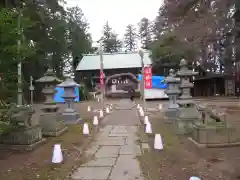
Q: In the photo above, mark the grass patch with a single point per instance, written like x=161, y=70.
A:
x=155, y=162
x=180, y=159
x=37, y=164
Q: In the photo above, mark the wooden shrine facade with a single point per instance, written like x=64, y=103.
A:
x=212, y=84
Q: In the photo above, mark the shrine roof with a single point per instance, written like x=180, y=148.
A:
x=113, y=61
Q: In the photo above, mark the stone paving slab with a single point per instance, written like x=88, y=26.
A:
x=90, y=173
x=131, y=141
x=108, y=151
x=101, y=162
x=114, y=138
x=119, y=130
x=145, y=146
x=132, y=129
x=107, y=128
x=92, y=150
x=118, y=135
x=111, y=142
x=122, y=118
x=130, y=150
x=126, y=168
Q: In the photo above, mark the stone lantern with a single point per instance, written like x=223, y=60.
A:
x=185, y=74
x=50, y=118
x=70, y=116
x=188, y=113
x=172, y=92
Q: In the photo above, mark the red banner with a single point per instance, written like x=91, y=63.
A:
x=148, y=77
x=102, y=78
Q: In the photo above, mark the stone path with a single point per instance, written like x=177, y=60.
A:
x=122, y=117
x=114, y=151
x=125, y=104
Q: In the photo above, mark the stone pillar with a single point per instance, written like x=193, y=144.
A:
x=50, y=118
x=70, y=116
x=172, y=92
x=187, y=113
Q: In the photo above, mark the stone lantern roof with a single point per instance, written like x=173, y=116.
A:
x=49, y=77
x=69, y=82
x=171, y=78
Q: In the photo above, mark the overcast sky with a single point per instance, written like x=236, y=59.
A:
x=118, y=13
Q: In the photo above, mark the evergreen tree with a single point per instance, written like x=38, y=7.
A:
x=160, y=25
x=145, y=32
x=237, y=30
x=110, y=40
x=130, y=38
x=80, y=40
x=45, y=28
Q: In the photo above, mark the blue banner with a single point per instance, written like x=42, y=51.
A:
x=60, y=92
x=157, y=82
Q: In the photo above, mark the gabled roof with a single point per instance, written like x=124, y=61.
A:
x=113, y=61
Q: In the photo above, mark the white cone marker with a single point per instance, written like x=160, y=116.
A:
x=141, y=112
x=57, y=156
x=194, y=178
x=85, y=128
x=95, y=120
x=160, y=106
x=89, y=108
x=158, y=142
x=98, y=99
x=107, y=110
x=138, y=106
x=101, y=113
x=146, y=120
x=148, y=128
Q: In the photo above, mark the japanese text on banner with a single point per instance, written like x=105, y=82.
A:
x=148, y=77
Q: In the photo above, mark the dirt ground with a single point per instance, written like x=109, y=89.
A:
x=37, y=164
x=181, y=159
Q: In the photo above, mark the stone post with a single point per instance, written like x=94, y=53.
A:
x=50, y=118
x=70, y=116
x=172, y=92
x=31, y=88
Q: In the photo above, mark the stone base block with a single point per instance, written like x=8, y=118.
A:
x=218, y=145
x=55, y=133
x=23, y=148
x=52, y=124
x=71, y=118
x=22, y=136
x=170, y=115
x=183, y=126
x=22, y=139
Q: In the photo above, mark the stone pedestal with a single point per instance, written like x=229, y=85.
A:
x=170, y=115
x=22, y=139
x=52, y=124
x=70, y=116
x=172, y=92
x=50, y=119
x=188, y=115
x=23, y=133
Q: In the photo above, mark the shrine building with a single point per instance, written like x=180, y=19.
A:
x=88, y=69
